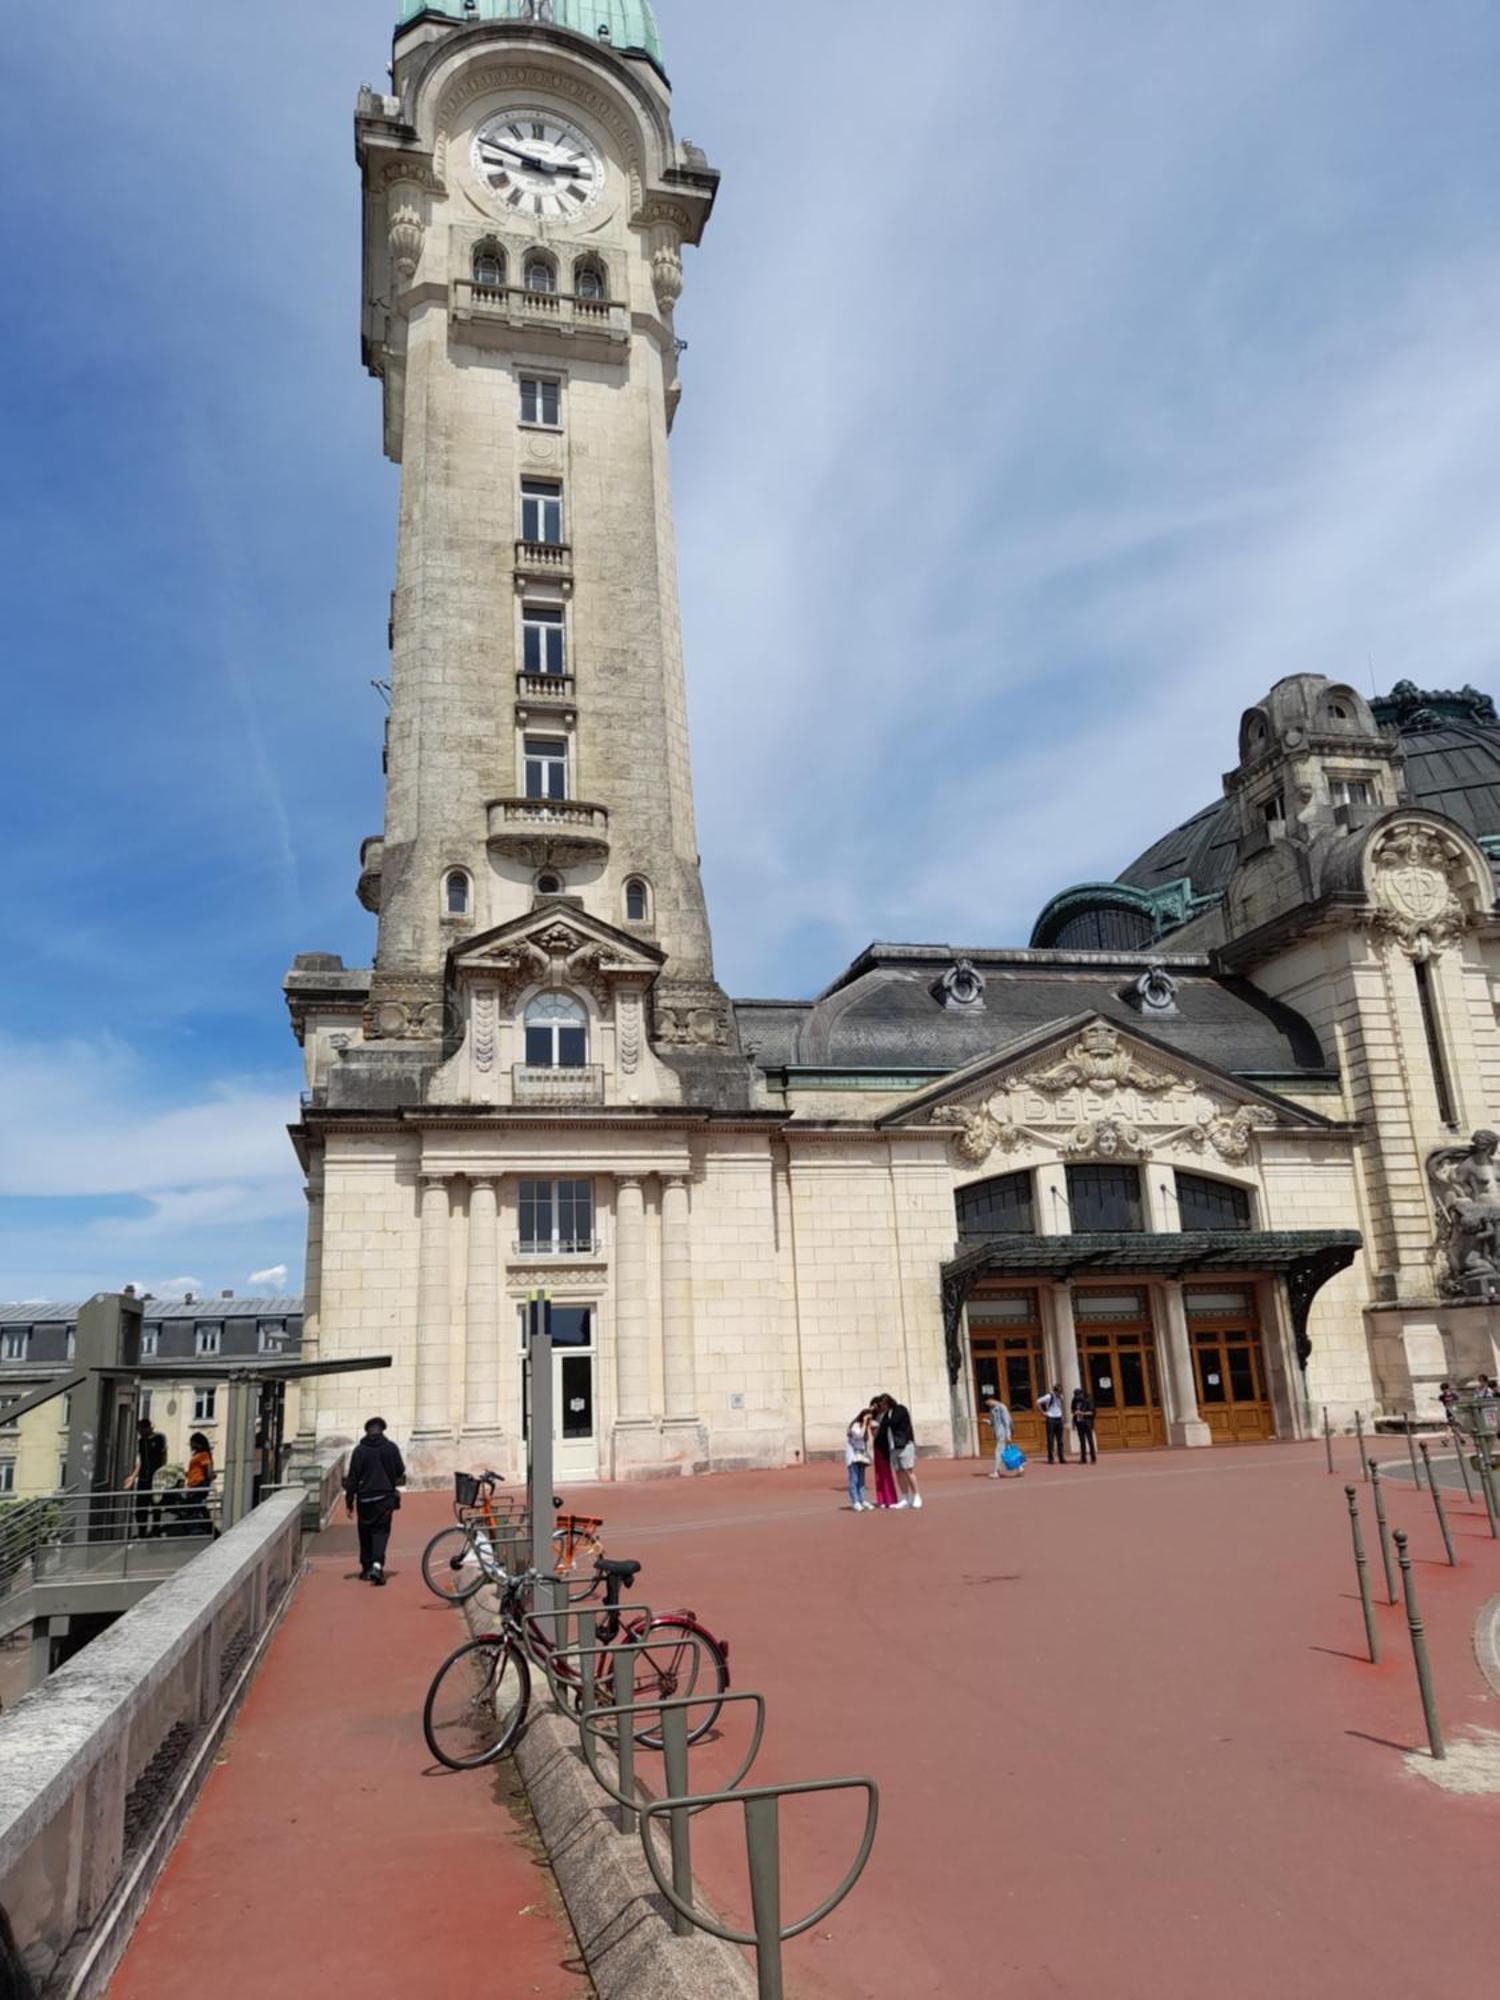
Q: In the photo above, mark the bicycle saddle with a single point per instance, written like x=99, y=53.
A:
x=627, y=1572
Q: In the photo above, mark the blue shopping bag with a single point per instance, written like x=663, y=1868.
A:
x=1013, y=1458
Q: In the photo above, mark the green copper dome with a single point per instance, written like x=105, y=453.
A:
x=631, y=24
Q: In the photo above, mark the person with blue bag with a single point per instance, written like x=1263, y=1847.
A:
x=1009, y=1456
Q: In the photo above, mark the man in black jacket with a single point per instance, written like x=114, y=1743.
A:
x=376, y=1471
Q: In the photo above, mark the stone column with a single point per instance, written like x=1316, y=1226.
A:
x=677, y=1300
x=1187, y=1426
x=434, y=1408
x=482, y=1341
x=1065, y=1341
x=306, y=1441
x=632, y=1322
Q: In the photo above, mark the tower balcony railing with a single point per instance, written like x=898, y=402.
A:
x=550, y=559
x=545, y=689
x=567, y=829
x=499, y=306
x=557, y=1089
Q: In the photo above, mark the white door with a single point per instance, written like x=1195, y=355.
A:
x=575, y=1442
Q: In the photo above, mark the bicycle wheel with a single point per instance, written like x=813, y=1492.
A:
x=679, y=1659
x=451, y=1568
x=477, y=1703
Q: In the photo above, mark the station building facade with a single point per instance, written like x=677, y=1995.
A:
x=1180, y=1146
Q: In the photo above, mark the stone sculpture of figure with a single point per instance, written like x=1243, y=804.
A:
x=1465, y=1182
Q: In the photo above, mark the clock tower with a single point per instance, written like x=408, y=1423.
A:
x=543, y=968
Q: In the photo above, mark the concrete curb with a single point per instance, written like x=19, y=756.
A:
x=619, y=1917
x=1487, y=1642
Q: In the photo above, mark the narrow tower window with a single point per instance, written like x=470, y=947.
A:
x=637, y=901
x=541, y=402
x=540, y=276
x=588, y=279
x=544, y=640
x=1432, y=1029
x=557, y=1032
x=456, y=894
x=489, y=266
x=541, y=511
x=546, y=767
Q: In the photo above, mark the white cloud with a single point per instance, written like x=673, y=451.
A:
x=182, y=1169
x=272, y=1279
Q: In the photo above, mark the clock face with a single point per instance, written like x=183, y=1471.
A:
x=538, y=165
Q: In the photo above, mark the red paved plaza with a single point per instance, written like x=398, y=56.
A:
x=1124, y=1742
x=1125, y=1737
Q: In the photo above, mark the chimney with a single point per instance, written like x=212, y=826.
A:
x=226, y=1295
x=130, y=1291
x=187, y=1298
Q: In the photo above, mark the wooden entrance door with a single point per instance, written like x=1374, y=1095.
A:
x=1005, y=1348
x=1117, y=1357
x=1229, y=1363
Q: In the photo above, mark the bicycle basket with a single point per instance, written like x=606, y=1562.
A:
x=465, y=1489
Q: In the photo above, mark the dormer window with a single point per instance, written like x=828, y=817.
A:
x=557, y=1032
x=1273, y=812
x=1351, y=791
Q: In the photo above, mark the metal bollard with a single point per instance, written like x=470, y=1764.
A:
x=1419, y=1651
x=1411, y=1452
x=1437, y=1503
x=1359, y=1432
x=1385, y=1533
x=1456, y=1432
x=1362, y=1571
x=1483, y=1454
x=1328, y=1437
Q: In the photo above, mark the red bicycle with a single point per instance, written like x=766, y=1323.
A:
x=480, y=1696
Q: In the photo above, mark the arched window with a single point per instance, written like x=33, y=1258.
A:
x=637, y=901
x=549, y=885
x=557, y=1032
x=999, y=1207
x=489, y=265
x=540, y=276
x=1203, y=1203
x=588, y=279
x=456, y=893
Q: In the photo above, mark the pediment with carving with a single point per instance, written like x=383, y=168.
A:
x=1104, y=1096
x=561, y=948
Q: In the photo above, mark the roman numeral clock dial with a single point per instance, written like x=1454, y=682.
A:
x=537, y=165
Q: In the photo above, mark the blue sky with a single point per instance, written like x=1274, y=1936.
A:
x=1059, y=376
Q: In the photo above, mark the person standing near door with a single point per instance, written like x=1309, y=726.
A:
x=1003, y=1431
x=376, y=1472
x=1054, y=1410
x=1083, y=1424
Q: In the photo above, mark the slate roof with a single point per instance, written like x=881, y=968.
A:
x=882, y=1015
x=46, y=1313
x=1452, y=755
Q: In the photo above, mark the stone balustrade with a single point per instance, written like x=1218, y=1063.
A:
x=550, y=1088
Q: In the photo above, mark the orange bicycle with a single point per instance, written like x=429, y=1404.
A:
x=460, y=1560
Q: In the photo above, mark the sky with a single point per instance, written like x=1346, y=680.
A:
x=1060, y=375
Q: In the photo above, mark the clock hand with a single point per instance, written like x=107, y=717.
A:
x=531, y=160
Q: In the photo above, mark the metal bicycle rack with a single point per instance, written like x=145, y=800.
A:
x=679, y=1806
